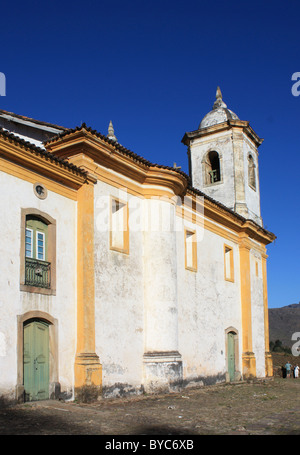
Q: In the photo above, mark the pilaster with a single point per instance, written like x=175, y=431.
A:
x=240, y=205
x=268, y=356
x=162, y=364
x=248, y=357
x=88, y=370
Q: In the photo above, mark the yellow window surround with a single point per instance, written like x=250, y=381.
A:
x=228, y=264
x=119, y=228
x=190, y=242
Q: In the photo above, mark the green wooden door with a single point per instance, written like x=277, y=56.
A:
x=36, y=361
x=231, y=356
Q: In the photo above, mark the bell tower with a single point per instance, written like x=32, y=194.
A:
x=223, y=160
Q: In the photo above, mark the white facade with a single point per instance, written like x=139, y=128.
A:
x=18, y=194
x=159, y=310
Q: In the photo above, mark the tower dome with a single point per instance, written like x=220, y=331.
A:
x=219, y=113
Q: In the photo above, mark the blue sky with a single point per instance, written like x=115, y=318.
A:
x=152, y=67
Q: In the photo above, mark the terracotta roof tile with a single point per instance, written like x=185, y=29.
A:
x=142, y=160
x=6, y=134
x=29, y=119
x=117, y=146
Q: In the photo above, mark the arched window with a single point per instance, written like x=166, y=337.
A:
x=37, y=267
x=212, y=168
x=251, y=172
x=38, y=252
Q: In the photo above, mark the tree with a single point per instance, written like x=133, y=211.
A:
x=278, y=346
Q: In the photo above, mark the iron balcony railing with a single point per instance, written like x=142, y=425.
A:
x=37, y=273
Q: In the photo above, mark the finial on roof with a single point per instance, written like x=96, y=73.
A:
x=176, y=167
x=219, y=100
x=111, y=132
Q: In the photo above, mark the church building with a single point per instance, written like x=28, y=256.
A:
x=120, y=276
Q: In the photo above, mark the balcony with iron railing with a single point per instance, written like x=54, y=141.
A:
x=37, y=273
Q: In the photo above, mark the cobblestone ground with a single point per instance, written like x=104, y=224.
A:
x=270, y=407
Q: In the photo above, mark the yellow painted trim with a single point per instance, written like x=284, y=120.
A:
x=187, y=231
x=32, y=177
x=40, y=164
x=109, y=165
x=125, y=248
x=268, y=356
x=103, y=162
x=148, y=187
x=248, y=358
x=208, y=225
x=88, y=371
x=85, y=269
x=111, y=158
x=229, y=249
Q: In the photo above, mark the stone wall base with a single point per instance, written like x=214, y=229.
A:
x=88, y=377
x=162, y=371
x=269, y=364
x=249, y=365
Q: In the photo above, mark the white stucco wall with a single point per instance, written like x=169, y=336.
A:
x=224, y=190
x=17, y=194
x=207, y=305
x=233, y=188
x=257, y=313
x=252, y=196
x=119, y=288
x=145, y=301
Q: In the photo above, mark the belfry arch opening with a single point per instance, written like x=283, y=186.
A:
x=251, y=172
x=212, y=167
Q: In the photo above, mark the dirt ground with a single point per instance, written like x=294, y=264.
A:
x=269, y=407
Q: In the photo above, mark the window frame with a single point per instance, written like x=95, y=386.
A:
x=37, y=246
x=251, y=172
x=228, y=249
x=193, y=234
x=50, y=250
x=31, y=244
x=207, y=168
x=124, y=248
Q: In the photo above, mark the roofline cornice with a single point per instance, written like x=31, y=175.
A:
x=106, y=153
x=116, y=157
x=25, y=154
x=53, y=163
x=232, y=220
x=229, y=124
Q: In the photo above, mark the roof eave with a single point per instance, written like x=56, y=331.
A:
x=229, y=124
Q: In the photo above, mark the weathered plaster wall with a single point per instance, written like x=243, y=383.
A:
x=119, y=295
x=17, y=194
x=160, y=267
x=224, y=190
x=145, y=301
x=207, y=305
x=252, y=196
x=257, y=307
x=233, y=190
x=162, y=362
